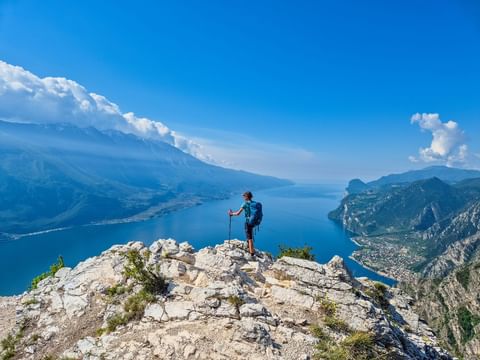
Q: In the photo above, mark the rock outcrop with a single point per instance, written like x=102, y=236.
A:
x=217, y=303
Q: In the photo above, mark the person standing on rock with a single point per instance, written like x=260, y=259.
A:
x=253, y=217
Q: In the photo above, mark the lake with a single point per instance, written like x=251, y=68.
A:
x=293, y=216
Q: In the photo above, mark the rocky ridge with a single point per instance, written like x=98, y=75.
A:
x=218, y=303
x=451, y=305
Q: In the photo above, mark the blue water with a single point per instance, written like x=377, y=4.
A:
x=294, y=216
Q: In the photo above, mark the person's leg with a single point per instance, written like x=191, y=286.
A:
x=251, y=250
x=249, y=236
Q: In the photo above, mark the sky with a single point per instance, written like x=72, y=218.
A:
x=311, y=90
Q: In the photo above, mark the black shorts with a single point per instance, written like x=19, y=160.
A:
x=249, y=231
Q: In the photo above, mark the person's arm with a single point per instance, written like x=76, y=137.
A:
x=235, y=213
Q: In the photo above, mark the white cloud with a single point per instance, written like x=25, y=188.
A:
x=448, y=140
x=24, y=97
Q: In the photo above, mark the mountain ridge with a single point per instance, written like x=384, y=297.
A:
x=444, y=173
x=74, y=176
x=170, y=302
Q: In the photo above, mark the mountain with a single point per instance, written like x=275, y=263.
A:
x=415, y=206
x=167, y=301
x=405, y=227
x=451, y=305
x=426, y=234
x=62, y=175
x=444, y=173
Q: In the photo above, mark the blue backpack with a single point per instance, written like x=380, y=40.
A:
x=256, y=213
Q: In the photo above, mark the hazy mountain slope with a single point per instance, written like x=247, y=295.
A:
x=59, y=175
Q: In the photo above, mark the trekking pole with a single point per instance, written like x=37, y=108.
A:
x=230, y=226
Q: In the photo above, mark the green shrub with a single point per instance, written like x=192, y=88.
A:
x=53, y=270
x=451, y=338
x=379, y=294
x=358, y=345
x=328, y=307
x=380, y=287
x=134, y=308
x=32, y=301
x=8, y=347
x=463, y=277
x=115, y=290
x=335, y=323
x=467, y=322
x=10, y=343
x=136, y=304
x=236, y=301
x=115, y=321
x=144, y=275
x=318, y=332
x=299, y=253
x=33, y=339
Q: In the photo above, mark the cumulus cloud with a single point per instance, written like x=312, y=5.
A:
x=25, y=97
x=448, y=140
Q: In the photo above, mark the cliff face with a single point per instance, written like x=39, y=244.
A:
x=423, y=229
x=452, y=306
x=169, y=302
x=463, y=235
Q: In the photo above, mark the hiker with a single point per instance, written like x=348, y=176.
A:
x=253, y=217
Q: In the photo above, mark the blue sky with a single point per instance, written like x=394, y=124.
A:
x=314, y=90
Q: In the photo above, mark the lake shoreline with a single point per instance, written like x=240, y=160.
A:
x=379, y=272
x=132, y=219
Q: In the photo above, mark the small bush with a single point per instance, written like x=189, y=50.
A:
x=137, y=270
x=236, y=301
x=463, y=277
x=116, y=290
x=451, y=338
x=379, y=294
x=134, y=308
x=33, y=339
x=380, y=287
x=32, y=301
x=136, y=304
x=335, y=323
x=8, y=347
x=359, y=345
x=53, y=270
x=328, y=307
x=299, y=253
x=467, y=322
x=115, y=321
x=318, y=332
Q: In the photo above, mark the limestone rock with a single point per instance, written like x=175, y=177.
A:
x=220, y=303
